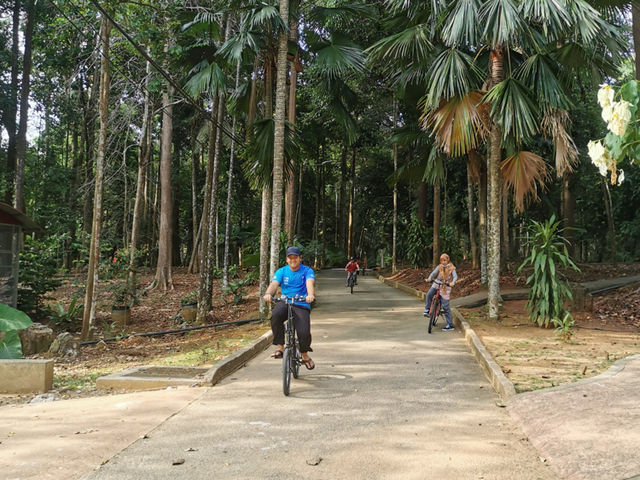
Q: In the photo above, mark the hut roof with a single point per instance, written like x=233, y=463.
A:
x=11, y=216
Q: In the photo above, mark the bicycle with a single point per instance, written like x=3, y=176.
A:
x=351, y=280
x=434, y=309
x=291, y=356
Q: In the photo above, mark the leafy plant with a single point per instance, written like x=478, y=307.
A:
x=59, y=315
x=11, y=320
x=418, y=239
x=564, y=327
x=549, y=287
x=237, y=289
x=38, y=270
x=189, y=298
x=125, y=292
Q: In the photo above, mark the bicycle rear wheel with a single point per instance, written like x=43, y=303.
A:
x=433, y=314
x=286, y=370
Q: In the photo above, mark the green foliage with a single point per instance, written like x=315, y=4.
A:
x=564, y=327
x=449, y=243
x=11, y=320
x=67, y=317
x=190, y=298
x=38, y=270
x=237, y=289
x=549, y=288
x=418, y=239
x=125, y=292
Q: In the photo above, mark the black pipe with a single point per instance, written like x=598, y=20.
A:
x=180, y=330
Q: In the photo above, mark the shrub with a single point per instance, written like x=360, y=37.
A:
x=549, y=286
x=11, y=320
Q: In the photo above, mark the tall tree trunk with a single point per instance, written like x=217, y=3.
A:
x=10, y=115
x=568, y=212
x=290, y=199
x=482, y=220
x=94, y=248
x=251, y=115
x=394, y=258
x=264, y=242
x=494, y=187
x=422, y=202
x=278, y=140
x=504, y=256
x=436, y=222
x=163, y=278
x=143, y=160
x=473, y=241
x=352, y=196
x=342, y=230
x=25, y=89
x=606, y=193
x=227, y=223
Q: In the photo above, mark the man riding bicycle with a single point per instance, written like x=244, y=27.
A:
x=352, y=269
x=294, y=279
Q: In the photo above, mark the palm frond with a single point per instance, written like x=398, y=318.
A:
x=265, y=14
x=343, y=13
x=453, y=73
x=501, y=20
x=410, y=45
x=461, y=25
x=513, y=108
x=539, y=74
x=339, y=57
x=586, y=20
x=236, y=45
x=457, y=124
x=523, y=174
x=207, y=78
x=554, y=125
x=551, y=15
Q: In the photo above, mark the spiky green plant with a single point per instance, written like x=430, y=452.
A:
x=549, y=286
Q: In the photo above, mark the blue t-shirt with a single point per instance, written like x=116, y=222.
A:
x=294, y=283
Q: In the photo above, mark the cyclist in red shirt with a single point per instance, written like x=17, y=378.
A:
x=351, y=268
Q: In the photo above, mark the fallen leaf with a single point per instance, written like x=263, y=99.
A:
x=178, y=461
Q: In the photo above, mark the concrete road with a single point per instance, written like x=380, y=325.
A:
x=385, y=401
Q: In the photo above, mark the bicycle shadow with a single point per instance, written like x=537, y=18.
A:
x=321, y=386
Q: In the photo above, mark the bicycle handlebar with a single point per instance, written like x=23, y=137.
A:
x=285, y=299
x=438, y=282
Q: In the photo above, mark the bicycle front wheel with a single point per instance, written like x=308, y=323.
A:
x=295, y=363
x=286, y=370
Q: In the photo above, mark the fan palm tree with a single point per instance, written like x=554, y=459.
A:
x=513, y=50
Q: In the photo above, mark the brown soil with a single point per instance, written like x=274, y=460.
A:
x=157, y=311
x=534, y=357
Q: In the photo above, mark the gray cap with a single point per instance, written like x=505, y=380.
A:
x=293, y=251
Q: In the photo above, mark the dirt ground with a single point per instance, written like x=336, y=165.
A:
x=157, y=311
x=534, y=357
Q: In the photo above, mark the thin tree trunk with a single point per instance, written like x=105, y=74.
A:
x=568, y=211
x=163, y=278
x=352, y=194
x=251, y=115
x=10, y=116
x=473, y=241
x=422, y=202
x=394, y=259
x=278, y=140
x=493, y=176
x=25, y=88
x=612, y=231
x=342, y=235
x=227, y=224
x=505, y=232
x=290, y=199
x=264, y=242
x=195, y=162
x=143, y=160
x=482, y=220
x=94, y=248
x=436, y=222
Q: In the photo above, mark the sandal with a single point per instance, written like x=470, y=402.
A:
x=277, y=354
x=309, y=363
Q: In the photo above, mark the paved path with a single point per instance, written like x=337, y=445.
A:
x=386, y=401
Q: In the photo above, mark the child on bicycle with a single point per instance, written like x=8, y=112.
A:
x=445, y=273
x=351, y=268
x=294, y=279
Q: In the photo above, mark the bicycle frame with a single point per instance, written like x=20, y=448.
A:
x=291, y=358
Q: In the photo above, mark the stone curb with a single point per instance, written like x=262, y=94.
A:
x=499, y=381
x=233, y=362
